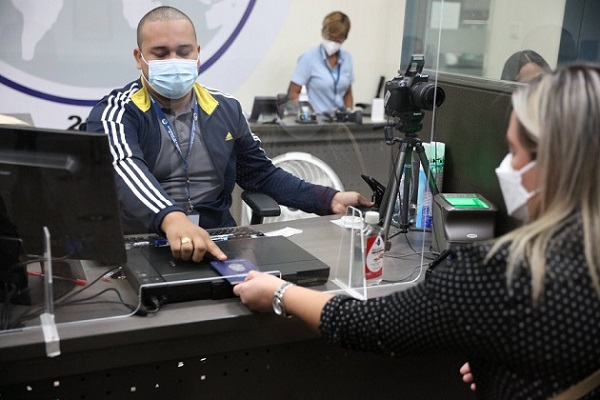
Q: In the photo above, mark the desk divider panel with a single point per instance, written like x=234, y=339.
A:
x=350, y=272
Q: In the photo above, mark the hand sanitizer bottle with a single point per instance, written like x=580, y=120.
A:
x=374, y=248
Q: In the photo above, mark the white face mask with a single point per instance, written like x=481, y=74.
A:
x=331, y=47
x=514, y=194
x=172, y=78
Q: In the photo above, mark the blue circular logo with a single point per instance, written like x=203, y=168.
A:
x=74, y=52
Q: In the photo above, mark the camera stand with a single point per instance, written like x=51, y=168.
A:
x=406, y=96
x=408, y=144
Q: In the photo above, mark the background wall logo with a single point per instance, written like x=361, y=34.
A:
x=75, y=51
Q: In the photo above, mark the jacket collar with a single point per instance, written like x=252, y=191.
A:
x=207, y=102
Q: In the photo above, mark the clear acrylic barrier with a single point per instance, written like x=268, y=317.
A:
x=350, y=271
x=47, y=318
x=80, y=290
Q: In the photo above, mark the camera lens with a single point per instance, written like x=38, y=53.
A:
x=426, y=95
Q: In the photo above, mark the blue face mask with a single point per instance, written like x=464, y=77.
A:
x=172, y=78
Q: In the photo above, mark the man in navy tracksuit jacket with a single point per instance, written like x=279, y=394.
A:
x=134, y=119
x=234, y=151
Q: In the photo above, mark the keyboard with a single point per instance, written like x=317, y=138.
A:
x=234, y=232
x=216, y=234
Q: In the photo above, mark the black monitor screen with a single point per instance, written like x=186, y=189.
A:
x=265, y=106
x=63, y=180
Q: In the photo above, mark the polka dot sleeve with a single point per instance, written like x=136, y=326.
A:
x=517, y=349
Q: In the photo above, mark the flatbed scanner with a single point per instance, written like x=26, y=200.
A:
x=461, y=218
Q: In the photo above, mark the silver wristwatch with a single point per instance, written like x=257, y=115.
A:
x=278, y=305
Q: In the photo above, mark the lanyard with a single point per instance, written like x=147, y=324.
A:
x=163, y=119
x=336, y=79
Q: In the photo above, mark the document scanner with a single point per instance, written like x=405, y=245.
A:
x=461, y=218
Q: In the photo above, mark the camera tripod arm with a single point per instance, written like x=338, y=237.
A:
x=389, y=199
x=407, y=145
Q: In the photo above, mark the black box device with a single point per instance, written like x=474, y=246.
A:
x=461, y=218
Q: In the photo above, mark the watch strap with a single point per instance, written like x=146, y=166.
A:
x=278, y=296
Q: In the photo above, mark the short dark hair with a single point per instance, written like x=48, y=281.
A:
x=162, y=13
x=515, y=62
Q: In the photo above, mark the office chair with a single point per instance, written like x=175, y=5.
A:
x=261, y=206
x=305, y=166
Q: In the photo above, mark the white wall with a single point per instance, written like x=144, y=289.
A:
x=374, y=41
x=70, y=64
x=259, y=62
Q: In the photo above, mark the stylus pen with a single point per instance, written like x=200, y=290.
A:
x=220, y=238
x=160, y=242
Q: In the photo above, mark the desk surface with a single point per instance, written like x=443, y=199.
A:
x=320, y=236
x=93, y=350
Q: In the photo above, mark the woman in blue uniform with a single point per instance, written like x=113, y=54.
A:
x=326, y=70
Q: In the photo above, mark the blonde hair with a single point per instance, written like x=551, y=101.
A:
x=562, y=111
x=336, y=24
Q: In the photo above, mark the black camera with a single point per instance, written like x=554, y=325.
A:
x=412, y=92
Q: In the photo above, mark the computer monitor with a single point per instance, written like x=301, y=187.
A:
x=62, y=180
x=264, y=108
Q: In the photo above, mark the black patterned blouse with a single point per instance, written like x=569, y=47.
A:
x=516, y=350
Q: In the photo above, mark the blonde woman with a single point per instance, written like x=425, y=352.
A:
x=525, y=309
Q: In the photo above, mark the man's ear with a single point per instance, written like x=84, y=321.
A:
x=137, y=54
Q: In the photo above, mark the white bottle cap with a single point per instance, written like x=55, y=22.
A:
x=371, y=217
x=303, y=94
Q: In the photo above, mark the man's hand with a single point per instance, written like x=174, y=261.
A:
x=187, y=240
x=341, y=200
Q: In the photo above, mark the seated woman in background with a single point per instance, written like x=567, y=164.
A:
x=523, y=66
x=524, y=309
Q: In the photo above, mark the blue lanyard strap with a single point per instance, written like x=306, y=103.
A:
x=336, y=78
x=163, y=119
